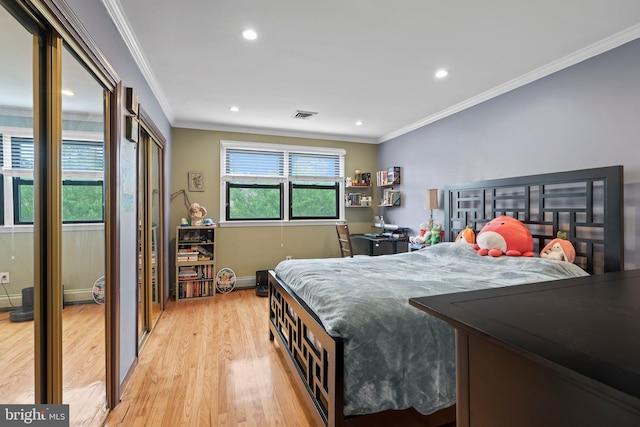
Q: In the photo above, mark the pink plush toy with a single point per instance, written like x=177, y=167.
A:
x=504, y=236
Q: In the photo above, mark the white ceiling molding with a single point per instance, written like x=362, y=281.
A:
x=274, y=132
x=602, y=46
x=119, y=19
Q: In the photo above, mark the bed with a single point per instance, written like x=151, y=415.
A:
x=362, y=355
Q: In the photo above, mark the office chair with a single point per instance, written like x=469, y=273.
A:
x=344, y=239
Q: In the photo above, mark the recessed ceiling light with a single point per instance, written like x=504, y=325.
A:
x=441, y=73
x=68, y=92
x=249, y=34
x=359, y=123
x=234, y=108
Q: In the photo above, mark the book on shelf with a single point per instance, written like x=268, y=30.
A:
x=353, y=199
x=199, y=272
x=390, y=176
x=391, y=198
x=195, y=289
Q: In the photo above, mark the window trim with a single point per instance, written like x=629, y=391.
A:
x=286, y=202
x=277, y=186
x=18, y=181
x=294, y=184
x=8, y=208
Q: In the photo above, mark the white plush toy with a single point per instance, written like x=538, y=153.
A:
x=559, y=249
x=554, y=252
x=423, y=236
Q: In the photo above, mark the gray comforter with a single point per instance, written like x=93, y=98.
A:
x=396, y=356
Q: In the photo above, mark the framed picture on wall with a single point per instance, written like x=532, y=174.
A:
x=196, y=181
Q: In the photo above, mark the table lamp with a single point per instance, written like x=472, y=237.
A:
x=431, y=203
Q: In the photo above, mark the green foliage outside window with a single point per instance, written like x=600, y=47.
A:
x=81, y=201
x=255, y=202
x=314, y=202
x=26, y=204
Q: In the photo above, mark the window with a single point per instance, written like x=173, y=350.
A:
x=265, y=182
x=82, y=186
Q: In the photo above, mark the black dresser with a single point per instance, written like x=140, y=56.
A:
x=562, y=353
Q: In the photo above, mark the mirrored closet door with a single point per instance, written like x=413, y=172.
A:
x=150, y=220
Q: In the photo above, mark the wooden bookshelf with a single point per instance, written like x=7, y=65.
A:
x=195, y=262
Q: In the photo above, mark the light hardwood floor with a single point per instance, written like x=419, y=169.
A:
x=210, y=363
x=83, y=369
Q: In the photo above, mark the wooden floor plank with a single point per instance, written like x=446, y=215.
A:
x=210, y=363
x=207, y=363
x=83, y=363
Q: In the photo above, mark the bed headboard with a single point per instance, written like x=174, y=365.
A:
x=587, y=204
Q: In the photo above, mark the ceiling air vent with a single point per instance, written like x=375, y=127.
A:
x=303, y=115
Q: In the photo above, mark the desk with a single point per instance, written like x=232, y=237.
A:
x=375, y=240
x=560, y=353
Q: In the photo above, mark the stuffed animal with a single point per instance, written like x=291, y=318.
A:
x=422, y=236
x=197, y=213
x=559, y=249
x=504, y=236
x=467, y=235
x=434, y=236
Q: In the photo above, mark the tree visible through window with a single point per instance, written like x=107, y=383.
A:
x=254, y=201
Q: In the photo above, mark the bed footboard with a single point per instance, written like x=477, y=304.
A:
x=312, y=353
x=318, y=360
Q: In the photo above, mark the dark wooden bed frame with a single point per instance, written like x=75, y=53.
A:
x=587, y=204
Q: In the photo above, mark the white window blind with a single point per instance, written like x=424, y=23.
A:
x=315, y=167
x=270, y=162
x=82, y=156
x=85, y=156
x=22, y=153
x=248, y=165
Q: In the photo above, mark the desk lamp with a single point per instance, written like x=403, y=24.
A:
x=431, y=203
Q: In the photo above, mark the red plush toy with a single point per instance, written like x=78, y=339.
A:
x=504, y=236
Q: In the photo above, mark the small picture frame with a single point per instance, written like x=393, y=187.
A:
x=196, y=181
x=132, y=128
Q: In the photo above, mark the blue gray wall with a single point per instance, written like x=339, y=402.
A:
x=95, y=18
x=584, y=116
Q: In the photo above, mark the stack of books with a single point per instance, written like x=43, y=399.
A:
x=188, y=255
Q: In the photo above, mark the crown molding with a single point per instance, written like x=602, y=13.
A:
x=595, y=49
x=118, y=17
x=273, y=132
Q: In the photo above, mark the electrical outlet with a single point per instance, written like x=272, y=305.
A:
x=288, y=257
x=4, y=277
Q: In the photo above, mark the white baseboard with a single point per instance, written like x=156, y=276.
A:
x=77, y=295
x=16, y=299
x=82, y=295
x=246, y=282
x=70, y=296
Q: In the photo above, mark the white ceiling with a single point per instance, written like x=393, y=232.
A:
x=349, y=60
